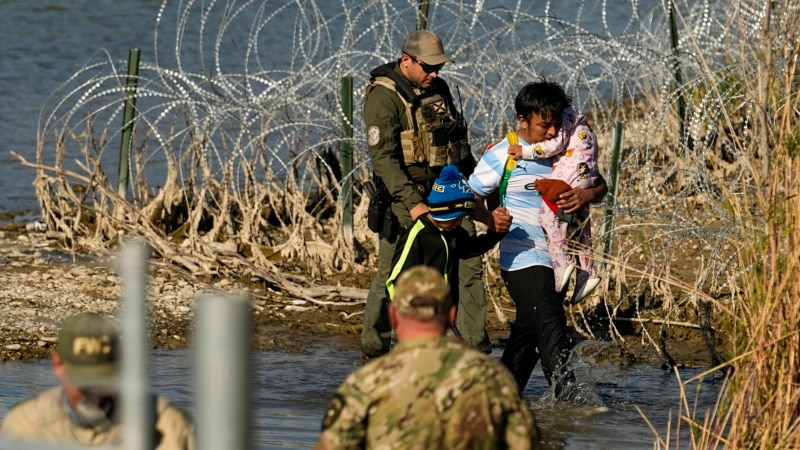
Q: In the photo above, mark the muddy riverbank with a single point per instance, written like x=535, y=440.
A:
x=41, y=284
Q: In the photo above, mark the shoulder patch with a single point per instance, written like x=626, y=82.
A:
x=334, y=411
x=373, y=135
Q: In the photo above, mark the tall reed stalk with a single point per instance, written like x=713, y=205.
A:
x=764, y=394
x=760, y=405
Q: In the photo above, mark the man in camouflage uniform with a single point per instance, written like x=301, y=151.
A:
x=413, y=130
x=84, y=410
x=430, y=392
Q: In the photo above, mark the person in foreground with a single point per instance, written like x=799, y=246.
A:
x=413, y=130
x=431, y=391
x=84, y=410
x=540, y=325
x=574, y=155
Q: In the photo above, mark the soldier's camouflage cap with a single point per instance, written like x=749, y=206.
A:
x=89, y=347
x=423, y=291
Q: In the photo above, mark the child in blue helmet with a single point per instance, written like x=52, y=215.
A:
x=436, y=239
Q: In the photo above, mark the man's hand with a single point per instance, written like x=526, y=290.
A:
x=578, y=198
x=418, y=210
x=500, y=220
x=574, y=199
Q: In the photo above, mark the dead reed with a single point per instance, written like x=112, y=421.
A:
x=753, y=89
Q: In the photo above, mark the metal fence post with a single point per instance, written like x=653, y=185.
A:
x=127, y=121
x=347, y=158
x=673, y=33
x=613, y=189
x=136, y=398
x=422, y=15
x=223, y=372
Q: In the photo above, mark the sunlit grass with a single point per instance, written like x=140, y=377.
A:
x=754, y=90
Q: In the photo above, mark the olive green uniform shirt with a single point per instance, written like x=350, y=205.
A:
x=385, y=111
x=429, y=393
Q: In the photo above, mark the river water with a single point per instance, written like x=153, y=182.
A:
x=290, y=392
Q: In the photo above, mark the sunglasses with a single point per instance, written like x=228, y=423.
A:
x=427, y=68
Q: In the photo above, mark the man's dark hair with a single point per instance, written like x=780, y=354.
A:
x=543, y=97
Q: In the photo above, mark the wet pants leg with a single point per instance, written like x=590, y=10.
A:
x=376, y=331
x=471, y=316
x=540, y=326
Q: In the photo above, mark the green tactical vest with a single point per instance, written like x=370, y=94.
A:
x=434, y=134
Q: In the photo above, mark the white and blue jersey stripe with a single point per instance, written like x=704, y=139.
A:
x=525, y=245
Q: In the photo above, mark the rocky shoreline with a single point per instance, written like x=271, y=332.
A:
x=42, y=284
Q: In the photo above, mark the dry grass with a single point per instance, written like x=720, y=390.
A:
x=754, y=90
x=231, y=174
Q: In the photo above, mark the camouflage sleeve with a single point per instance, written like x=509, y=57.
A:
x=344, y=425
x=382, y=114
x=486, y=409
x=520, y=430
x=517, y=426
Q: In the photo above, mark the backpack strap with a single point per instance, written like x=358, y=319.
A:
x=391, y=84
x=513, y=139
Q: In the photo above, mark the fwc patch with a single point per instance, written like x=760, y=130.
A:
x=373, y=135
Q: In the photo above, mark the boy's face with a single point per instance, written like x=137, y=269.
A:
x=537, y=128
x=448, y=225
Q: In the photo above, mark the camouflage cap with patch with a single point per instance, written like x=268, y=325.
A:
x=88, y=345
x=423, y=291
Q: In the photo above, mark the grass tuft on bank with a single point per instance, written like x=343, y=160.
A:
x=754, y=87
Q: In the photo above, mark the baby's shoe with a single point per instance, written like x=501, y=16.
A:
x=562, y=274
x=584, y=285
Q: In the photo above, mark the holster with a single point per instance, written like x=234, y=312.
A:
x=380, y=217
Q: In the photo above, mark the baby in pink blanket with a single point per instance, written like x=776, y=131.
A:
x=574, y=154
